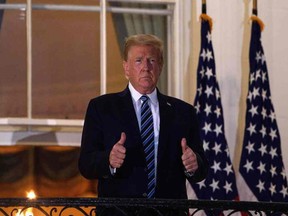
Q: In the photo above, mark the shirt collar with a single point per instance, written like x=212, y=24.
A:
x=136, y=95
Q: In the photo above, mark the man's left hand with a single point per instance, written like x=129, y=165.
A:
x=189, y=158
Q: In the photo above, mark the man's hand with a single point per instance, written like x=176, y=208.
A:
x=118, y=153
x=189, y=158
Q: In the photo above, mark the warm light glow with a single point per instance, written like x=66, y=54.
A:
x=31, y=195
x=27, y=212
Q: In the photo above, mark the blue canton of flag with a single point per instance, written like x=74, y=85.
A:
x=261, y=163
x=220, y=183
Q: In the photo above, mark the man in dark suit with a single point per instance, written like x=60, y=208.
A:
x=112, y=148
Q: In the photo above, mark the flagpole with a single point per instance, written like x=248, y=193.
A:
x=255, y=11
x=204, y=7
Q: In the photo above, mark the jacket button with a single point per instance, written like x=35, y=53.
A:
x=144, y=194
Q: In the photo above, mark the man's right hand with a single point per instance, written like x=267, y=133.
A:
x=118, y=153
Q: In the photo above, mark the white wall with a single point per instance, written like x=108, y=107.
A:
x=231, y=37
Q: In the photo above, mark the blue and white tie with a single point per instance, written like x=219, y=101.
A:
x=147, y=135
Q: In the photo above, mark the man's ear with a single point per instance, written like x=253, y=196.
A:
x=126, y=69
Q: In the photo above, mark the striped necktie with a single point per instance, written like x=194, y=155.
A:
x=147, y=135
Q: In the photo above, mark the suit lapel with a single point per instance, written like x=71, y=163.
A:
x=165, y=109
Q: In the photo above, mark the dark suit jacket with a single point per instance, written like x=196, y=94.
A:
x=109, y=115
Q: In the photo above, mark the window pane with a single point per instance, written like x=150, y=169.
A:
x=66, y=62
x=116, y=80
x=13, y=84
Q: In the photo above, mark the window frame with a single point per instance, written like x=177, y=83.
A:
x=177, y=38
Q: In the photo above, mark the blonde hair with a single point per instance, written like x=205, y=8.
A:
x=144, y=40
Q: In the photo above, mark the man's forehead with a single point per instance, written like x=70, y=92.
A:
x=141, y=50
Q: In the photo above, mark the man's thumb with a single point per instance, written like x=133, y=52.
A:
x=122, y=139
x=183, y=145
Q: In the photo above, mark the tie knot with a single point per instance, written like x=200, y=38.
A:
x=144, y=98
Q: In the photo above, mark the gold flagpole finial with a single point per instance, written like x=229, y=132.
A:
x=255, y=15
x=204, y=16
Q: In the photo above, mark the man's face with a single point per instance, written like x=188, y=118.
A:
x=142, y=68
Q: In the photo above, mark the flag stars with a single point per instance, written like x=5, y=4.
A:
x=228, y=168
x=209, y=55
x=217, y=111
x=263, y=149
x=249, y=97
x=264, y=113
x=202, y=184
x=273, y=170
x=227, y=151
x=251, y=129
x=250, y=147
x=272, y=189
x=255, y=92
x=263, y=131
x=216, y=167
x=214, y=185
x=248, y=166
x=264, y=95
x=252, y=78
x=202, y=72
x=228, y=187
x=258, y=56
x=272, y=116
x=199, y=90
x=208, y=91
x=209, y=73
x=217, y=148
x=207, y=128
x=205, y=145
x=283, y=174
x=258, y=74
x=209, y=37
x=207, y=109
x=273, y=134
x=217, y=94
x=203, y=54
x=253, y=110
x=218, y=130
x=197, y=107
x=264, y=77
x=261, y=167
x=273, y=152
x=260, y=186
x=284, y=191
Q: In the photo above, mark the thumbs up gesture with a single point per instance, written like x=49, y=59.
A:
x=189, y=158
x=118, y=153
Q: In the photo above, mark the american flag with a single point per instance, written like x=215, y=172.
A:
x=261, y=164
x=220, y=183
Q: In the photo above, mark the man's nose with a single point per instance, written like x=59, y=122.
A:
x=147, y=64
